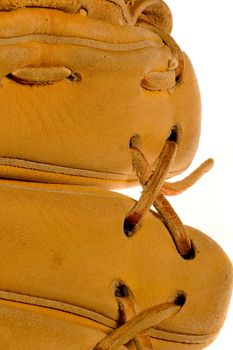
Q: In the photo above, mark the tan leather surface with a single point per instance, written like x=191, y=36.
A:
x=66, y=243
x=84, y=121
x=114, y=11
x=23, y=327
x=78, y=80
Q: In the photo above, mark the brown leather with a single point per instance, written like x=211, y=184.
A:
x=63, y=76
x=24, y=327
x=62, y=248
x=115, y=11
x=81, y=82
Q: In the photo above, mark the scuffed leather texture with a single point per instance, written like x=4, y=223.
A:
x=63, y=248
x=73, y=91
x=114, y=11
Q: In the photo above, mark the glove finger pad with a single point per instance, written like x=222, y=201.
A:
x=67, y=244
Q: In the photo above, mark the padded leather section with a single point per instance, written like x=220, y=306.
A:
x=73, y=237
x=86, y=124
x=23, y=326
x=29, y=327
x=115, y=11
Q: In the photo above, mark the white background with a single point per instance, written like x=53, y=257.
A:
x=204, y=29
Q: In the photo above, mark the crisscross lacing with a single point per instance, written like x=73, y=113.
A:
x=135, y=326
x=154, y=189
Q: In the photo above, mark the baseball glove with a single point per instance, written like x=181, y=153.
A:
x=98, y=93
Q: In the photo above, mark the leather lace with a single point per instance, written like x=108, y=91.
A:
x=135, y=326
x=154, y=190
x=133, y=15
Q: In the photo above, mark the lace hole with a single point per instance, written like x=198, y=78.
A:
x=129, y=227
x=75, y=77
x=191, y=253
x=180, y=299
x=173, y=134
x=120, y=289
x=135, y=140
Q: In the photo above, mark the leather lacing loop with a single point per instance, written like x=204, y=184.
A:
x=150, y=181
x=132, y=9
x=135, y=16
x=177, y=53
x=154, y=189
x=135, y=326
